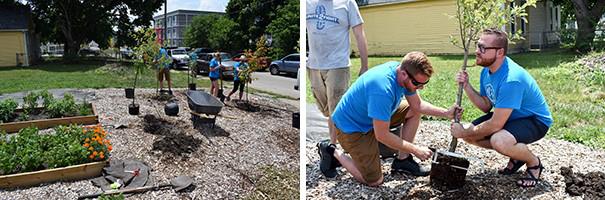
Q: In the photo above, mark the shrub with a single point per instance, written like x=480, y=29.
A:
x=7, y=110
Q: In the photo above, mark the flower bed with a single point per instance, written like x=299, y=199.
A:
x=30, y=151
x=54, y=112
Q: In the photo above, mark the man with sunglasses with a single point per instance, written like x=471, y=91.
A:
x=520, y=115
x=370, y=107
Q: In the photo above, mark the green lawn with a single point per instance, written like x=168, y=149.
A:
x=578, y=115
x=87, y=74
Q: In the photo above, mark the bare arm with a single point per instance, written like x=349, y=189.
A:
x=362, y=46
x=382, y=134
x=481, y=102
x=486, y=128
x=423, y=107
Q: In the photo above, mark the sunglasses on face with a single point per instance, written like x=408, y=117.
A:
x=414, y=81
x=482, y=48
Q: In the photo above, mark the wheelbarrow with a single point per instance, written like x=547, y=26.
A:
x=204, y=107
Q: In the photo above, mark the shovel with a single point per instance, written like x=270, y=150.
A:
x=220, y=91
x=178, y=183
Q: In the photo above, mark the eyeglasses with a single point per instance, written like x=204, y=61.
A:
x=414, y=81
x=482, y=47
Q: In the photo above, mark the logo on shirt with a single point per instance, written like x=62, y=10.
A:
x=321, y=17
x=491, y=94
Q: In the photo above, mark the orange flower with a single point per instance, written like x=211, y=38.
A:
x=101, y=156
x=90, y=148
x=91, y=156
x=86, y=145
x=94, y=153
x=109, y=148
x=87, y=140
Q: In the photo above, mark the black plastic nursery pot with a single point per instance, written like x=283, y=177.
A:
x=133, y=109
x=296, y=120
x=171, y=108
x=192, y=86
x=448, y=170
x=129, y=93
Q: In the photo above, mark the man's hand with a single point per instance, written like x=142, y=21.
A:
x=462, y=77
x=422, y=153
x=458, y=131
x=455, y=109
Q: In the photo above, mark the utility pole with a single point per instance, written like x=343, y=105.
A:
x=164, y=41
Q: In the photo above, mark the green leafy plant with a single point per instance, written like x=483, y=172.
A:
x=7, y=109
x=64, y=107
x=47, y=98
x=30, y=102
x=23, y=116
x=69, y=145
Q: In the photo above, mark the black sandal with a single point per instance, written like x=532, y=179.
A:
x=517, y=164
x=531, y=179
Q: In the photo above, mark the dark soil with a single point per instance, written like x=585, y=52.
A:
x=445, y=177
x=590, y=185
x=175, y=141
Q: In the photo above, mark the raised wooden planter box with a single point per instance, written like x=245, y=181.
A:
x=75, y=172
x=48, y=123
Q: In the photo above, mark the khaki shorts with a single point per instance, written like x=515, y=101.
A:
x=328, y=86
x=363, y=147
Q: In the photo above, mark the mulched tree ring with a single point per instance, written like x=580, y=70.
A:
x=448, y=171
x=590, y=185
x=246, y=105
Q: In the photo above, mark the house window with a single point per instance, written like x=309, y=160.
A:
x=513, y=29
x=522, y=26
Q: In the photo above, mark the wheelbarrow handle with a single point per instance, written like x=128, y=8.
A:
x=124, y=191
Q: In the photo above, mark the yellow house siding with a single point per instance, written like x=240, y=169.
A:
x=12, y=43
x=398, y=28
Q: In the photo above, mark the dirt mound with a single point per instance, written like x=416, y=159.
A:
x=591, y=185
x=175, y=140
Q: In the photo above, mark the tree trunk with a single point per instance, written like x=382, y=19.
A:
x=587, y=19
x=584, y=35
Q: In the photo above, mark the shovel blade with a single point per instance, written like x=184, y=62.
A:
x=181, y=182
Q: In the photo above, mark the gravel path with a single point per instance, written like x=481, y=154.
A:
x=225, y=162
x=482, y=181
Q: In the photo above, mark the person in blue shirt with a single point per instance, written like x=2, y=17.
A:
x=237, y=83
x=372, y=105
x=214, y=74
x=520, y=114
x=163, y=65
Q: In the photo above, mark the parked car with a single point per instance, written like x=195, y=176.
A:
x=202, y=50
x=89, y=52
x=179, y=57
x=289, y=64
x=126, y=53
x=203, y=64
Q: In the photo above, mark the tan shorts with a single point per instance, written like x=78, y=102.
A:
x=363, y=147
x=328, y=86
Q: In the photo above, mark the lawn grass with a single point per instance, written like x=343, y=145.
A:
x=578, y=115
x=86, y=74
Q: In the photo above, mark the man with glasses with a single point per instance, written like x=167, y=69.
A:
x=373, y=104
x=520, y=115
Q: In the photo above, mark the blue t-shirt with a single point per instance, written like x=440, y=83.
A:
x=513, y=87
x=374, y=95
x=237, y=66
x=213, y=64
x=167, y=60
